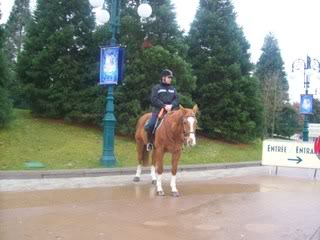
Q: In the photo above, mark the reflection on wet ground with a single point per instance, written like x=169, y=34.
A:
x=252, y=206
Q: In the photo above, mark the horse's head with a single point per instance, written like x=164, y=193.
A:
x=189, y=122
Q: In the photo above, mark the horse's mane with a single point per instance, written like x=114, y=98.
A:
x=186, y=112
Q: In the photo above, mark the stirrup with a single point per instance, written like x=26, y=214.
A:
x=149, y=146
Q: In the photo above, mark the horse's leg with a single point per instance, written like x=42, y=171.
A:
x=159, y=155
x=138, y=174
x=174, y=162
x=153, y=168
x=140, y=147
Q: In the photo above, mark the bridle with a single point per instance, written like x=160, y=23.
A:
x=186, y=134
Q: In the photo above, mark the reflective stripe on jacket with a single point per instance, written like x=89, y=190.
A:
x=163, y=94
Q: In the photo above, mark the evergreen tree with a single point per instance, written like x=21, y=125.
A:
x=16, y=28
x=315, y=117
x=4, y=74
x=5, y=103
x=273, y=83
x=61, y=80
x=15, y=33
x=228, y=97
x=58, y=63
x=296, y=107
x=162, y=28
x=287, y=121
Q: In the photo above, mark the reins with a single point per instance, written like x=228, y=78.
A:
x=186, y=133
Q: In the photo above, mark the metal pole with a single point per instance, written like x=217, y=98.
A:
x=109, y=121
x=306, y=85
x=305, y=129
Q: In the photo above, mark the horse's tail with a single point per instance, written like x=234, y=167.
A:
x=145, y=157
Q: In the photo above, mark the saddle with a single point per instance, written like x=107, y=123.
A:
x=160, y=118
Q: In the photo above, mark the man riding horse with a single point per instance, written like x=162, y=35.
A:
x=163, y=96
x=177, y=128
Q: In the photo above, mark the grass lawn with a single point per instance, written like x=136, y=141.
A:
x=63, y=146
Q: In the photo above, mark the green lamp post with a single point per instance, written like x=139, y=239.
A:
x=109, y=121
x=308, y=68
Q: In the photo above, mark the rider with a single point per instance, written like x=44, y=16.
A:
x=163, y=95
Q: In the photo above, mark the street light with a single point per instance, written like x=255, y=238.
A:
x=309, y=67
x=144, y=10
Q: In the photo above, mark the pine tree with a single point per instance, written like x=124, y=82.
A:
x=58, y=63
x=315, y=117
x=5, y=102
x=61, y=81
x=16, y=28
x=287, y=121
x=227, y=96
x=273, y=83
x=162, y=28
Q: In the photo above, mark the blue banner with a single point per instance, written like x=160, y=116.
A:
x=306, y=104
x=111, y=65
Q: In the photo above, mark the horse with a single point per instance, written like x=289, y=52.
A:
x=177, y=128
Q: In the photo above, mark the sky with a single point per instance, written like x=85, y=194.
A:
x=294, y=24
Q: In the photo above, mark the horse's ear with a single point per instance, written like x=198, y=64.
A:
x=183, y=110
x=195, y=109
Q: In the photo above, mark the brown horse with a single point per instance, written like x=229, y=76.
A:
x=177, y=128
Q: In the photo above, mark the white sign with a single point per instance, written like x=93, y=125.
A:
x=289, y=154
x=314, y=130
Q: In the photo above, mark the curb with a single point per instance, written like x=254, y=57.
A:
x=98, y=172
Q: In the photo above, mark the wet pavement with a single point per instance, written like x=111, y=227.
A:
x=235, y=204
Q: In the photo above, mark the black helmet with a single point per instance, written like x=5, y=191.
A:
x=166, y=72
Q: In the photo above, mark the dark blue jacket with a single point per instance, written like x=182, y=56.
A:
x=163, y=94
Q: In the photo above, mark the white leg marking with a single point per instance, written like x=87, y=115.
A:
x=159, y=185
x=153, y=173
x=138, y=173
x=173, y=184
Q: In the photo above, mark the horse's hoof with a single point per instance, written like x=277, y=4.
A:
x=175, y=194
x=160, y=193
x=154, y=182
x=136, y=179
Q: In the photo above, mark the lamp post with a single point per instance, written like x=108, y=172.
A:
x=109, y=121
x=308, y=67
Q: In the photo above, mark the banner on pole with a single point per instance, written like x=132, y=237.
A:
x=306, y=104
x=111, y=65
